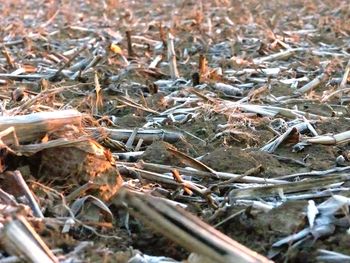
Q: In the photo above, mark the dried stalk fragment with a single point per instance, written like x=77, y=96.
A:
x=203, y=65
x=20, y=239
x=147, y=135
x=34, y=126
x=277, y=56
x=28, y=194
x=172, y=57
x=272, y=190
x=335, y=139
x=179, y=179
x=217, y=175
x=312, y=84
x=129, y=43
x=345, y=76
x=188, y=231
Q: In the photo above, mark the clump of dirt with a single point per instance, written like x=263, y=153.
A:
x=242, y=229
x=285, y=219
x=315, y=108
x=321, y=157
x=231, y=159
x=272, y=167
x=333, y=126
x=131, y=121
x=205, y=128
x=240, y=137
x=317, y=157
x=159, y=102
x=79, y=164
x=217, y=130
x=281, y=90
x=157, y=153
x=259, y=231
x=237, y=160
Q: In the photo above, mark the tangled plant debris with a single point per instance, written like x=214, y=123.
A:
x=168, y=131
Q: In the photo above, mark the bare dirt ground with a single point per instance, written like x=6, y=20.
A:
x=261, y=93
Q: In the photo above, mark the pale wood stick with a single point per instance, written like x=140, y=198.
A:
x=312, y=84
x=7, y=199
x=172, y=57
x=138, y=145
x=30, y=149
x=281, y=55
x=146, y=40
x=335, y=139
x=155, y=61
x=264, y=71
x=131, y=139
x=27, y=76
x=133, y=104
x=344, y=80
x=9, y=58
x=345, y=76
